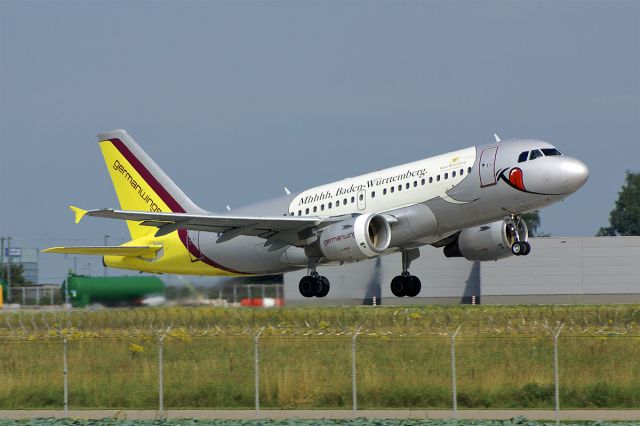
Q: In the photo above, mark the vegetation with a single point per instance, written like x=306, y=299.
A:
x=504, y=357
x=17, y=274
x=533, y=221
x=288, y=422
x=624, y=219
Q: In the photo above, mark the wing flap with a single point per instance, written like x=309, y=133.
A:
x=143, y=251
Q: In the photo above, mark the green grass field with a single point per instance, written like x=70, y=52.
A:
x=503, y=357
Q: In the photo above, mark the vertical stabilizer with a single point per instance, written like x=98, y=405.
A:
x=139, y=182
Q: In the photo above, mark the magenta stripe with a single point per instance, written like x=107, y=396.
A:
x=147, y=176
x=168, y=200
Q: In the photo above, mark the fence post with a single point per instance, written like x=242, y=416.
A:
x=454, y=389
x=256, y=359
x=556, y=380
x=161, y=337
x=354, y=371
x=65, y=371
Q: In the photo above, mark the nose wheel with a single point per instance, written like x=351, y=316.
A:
x=521, y=248
x=406, y=284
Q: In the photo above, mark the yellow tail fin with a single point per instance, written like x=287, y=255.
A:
x=139, y=182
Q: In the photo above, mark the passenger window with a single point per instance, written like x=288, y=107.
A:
x=550, y=152
x=306, y=211
x=446, y=175
x=337, y=203
x=384, y=191
x=393, y=188
x=535, y=154
x=344, y=202
x=415, y=183
x=322, y=207
x=360, y=197
x=330, y=204
x=353, y=200
x=315, y=209
x=468, y=169
x=399, y=187
x=293, y=214
x=407, y=185
x=422, y=182
x=299, y=212
x=523, y=157
x=461, y=172
x=373, y=194
x=453, y=174
x=438, y=178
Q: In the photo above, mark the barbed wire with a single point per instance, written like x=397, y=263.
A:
x=372, y=322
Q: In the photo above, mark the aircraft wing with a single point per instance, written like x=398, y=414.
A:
x=290, y=229
x=144, y=251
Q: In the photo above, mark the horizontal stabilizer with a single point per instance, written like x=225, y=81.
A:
x=144, y=251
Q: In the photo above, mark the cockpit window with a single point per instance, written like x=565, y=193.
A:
x=551, y=151
x=535, y=154
x=523, y=157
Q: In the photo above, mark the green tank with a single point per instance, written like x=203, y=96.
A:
x=110, y=291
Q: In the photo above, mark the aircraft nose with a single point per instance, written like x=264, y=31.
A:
x=575, y=173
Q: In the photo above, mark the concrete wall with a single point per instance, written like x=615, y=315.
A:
x=558, y=270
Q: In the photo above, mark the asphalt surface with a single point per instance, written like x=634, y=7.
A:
x=604, y=415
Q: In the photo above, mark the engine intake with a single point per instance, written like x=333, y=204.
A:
x=487, y=242
x=362, y=237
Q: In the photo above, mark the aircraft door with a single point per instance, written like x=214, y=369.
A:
x=487, y=166
x=362, y=199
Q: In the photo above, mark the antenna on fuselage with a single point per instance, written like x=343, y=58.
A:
x=286, y=190
x=228, y=208
x=495, y=135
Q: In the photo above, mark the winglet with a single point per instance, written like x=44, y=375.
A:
x=78, y=212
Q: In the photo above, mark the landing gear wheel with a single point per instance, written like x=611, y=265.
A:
x=517, y=248
x=413, y=285
x=308, y=286
x=527, y=248
x=323, y=286
x=398, y=286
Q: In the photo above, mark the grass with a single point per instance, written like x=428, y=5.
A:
x=503, y=358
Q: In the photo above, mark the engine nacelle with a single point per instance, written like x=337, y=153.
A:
x=486, y=242
x=358, y=238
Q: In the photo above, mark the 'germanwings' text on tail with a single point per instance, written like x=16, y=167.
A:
x=469, y=202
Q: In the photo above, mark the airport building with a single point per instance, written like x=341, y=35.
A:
x=558, y=270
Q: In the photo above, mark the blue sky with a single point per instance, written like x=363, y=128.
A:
x=236, y=99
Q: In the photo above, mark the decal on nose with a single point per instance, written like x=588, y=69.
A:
x=516, y=179
x=575, y=173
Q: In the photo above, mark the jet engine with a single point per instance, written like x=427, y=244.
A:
x=357, y=238
x=490, y=242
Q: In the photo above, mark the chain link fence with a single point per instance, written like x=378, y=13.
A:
x=349, y=359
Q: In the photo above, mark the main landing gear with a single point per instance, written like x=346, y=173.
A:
x=314, y=284
x=518, y=247
x=406, y=284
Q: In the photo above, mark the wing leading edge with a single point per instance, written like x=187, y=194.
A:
x=293, y=230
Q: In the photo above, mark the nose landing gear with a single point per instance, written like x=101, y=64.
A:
x=518, y=246
x=406, y=284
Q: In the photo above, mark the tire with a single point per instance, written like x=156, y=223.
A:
x=517, y=249
x=527, y=248
x=308, y=286
x=398, y=286
x=414, y=286
x=323, y=286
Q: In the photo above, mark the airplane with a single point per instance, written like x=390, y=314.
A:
x=469, y=202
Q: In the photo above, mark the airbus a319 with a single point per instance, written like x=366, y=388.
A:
x=469, y=202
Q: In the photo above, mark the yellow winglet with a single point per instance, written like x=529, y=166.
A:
x=78, y=212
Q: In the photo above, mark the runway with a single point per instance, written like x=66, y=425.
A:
x=565, y=415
